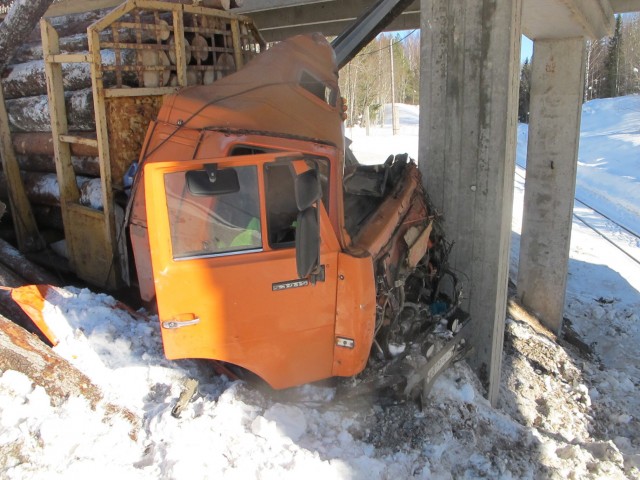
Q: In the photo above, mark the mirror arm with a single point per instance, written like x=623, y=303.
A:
x=212, y=171
x=318, y=273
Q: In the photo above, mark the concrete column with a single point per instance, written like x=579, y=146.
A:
x=554, y=130
x=469, y=98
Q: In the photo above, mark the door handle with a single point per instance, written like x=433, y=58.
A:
x=179, y=321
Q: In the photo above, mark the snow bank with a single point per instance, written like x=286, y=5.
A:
x=609, y=158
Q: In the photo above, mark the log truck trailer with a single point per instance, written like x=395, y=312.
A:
x=266, y=244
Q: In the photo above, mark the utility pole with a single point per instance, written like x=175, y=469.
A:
x=394, y=113
x=587, y=73
x=366, y=119
x=380, y=85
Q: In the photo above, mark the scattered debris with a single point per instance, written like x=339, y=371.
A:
x=189, y=389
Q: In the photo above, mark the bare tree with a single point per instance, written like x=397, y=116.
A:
x=366, y=80
x=595, y=76
x=412, y=53
x=614, y=71
x=630, y=54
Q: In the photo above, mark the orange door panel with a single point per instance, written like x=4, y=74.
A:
x=231, y=297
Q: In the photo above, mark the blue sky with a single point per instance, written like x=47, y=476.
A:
x=527, y=49
x=525, y=52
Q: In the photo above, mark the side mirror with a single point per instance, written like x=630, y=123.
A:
x=308, y=193
x=307, y=188
x=307, y=242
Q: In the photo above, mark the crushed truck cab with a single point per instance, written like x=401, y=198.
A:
x=264, y=245
x=226, y=276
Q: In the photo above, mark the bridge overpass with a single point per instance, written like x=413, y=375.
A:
x=279, y=19
x=469, y=99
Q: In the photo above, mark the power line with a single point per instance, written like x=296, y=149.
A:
x=384, y=48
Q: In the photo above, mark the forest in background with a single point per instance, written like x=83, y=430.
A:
x=612, y=70
x=613, y=66
x=366, y=81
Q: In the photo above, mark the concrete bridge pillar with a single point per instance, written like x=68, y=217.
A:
x=468, y=117
x=557, y=84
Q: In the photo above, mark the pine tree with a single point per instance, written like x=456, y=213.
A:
x=613, y=62
x=525, y=92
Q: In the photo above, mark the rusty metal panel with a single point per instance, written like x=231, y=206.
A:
x=128, y=119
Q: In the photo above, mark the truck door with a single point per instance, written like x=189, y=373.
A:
x=222, y=239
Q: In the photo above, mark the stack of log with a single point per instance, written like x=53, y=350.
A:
x=24, y=85
x=139, y=52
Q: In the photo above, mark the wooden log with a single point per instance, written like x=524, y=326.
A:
x=29, y=79
x=24, y=352
x=31, y=114
x=49, y=220
x=43, y=189
x=9, y=278
x=154, y=77
x=199, y=48
x=9, y=308
x=25, y=268
x=49, y=216
x=21, y=18
x=90, y=192
x=41, y=143
x=209, y=77
x=40, y=188
x=85, y=166
x=172, y=50
x=161, y=30
x=25, y=226
x=217, y=4
x=76, y=24
x=194, y=77
x=220, y=4
x=71, y=24
x=33, y=51
x=79, y=42
x=66, y=30
x=225, y=65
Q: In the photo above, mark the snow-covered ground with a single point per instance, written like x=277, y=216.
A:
x=563, y=413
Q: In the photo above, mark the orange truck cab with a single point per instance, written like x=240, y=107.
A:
x=246, y=231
